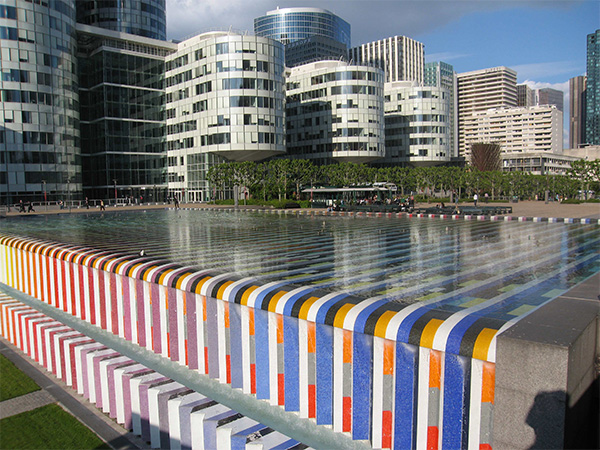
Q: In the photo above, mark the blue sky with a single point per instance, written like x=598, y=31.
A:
x=544, y=40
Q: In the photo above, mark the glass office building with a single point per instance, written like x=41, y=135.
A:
x=592, y=115
x=39, y=137
x=289, y=25
x=143, y=18
x=123, y=132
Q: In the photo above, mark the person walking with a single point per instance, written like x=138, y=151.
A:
x=102, y=208
x=87, y=203
x=475, y=198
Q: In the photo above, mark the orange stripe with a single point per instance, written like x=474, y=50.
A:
x=275, y=299
x=203, y=298
x=388, y=357
x=251, y=322
x=226, y=314
x=383, y=322
x=312, y=337
x=200, y=284
x=347, y=346
x=435, y=369
x=340, y=316
x=246, y=294
x=163, y=275
x=221, y=290
x=429, y=332
x=306, y=306
x=488, y=382
x=279, y=328
x=482, y=343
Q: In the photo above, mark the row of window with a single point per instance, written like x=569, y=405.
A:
x=41, y=98
x=226, y=138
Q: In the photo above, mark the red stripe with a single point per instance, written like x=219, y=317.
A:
x=114, y=313
x=347, y=414
x=485, y=447
x=228, y=368
x=312, y=403
x=90, y=272
x=73, y=296
x=253, y=378
x=386, y=439
x=281, y=388
x=432, y=438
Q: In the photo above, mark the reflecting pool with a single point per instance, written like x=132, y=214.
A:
x=504, y=269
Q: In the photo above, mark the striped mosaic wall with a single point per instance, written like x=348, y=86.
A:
x=397, y=377
x=161, y=411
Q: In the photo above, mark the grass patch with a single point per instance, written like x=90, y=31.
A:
x=48, y=427
x=13, y=382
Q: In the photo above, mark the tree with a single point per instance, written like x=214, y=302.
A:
x=486, y=157
x=585, y=172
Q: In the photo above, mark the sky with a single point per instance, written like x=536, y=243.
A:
x=543, y=40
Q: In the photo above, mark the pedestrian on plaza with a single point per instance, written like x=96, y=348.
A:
x=30, y=207
x=87, y=203
x=102, y=208
x=21, y=206
x=176, y=200
x=487, y=197
x=475, y=197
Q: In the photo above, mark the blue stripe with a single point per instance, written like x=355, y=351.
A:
x=261, y=341
x=260, y=297
x=407, y=360
x=362, y=380
x=235, y=345
x=324, y=308
x=324, y=372
x=455, y=425
x=287, y=309
x=361, y=320
x=291, y=351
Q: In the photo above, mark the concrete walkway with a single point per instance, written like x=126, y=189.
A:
x=55, y=391
x=526, y=208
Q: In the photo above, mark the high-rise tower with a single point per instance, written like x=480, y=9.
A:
x=481, y=90
x=576, y=111
x=592, y=115
x=147, y=18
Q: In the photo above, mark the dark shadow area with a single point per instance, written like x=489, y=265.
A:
x=557, y=426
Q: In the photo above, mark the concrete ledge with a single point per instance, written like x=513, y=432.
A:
x=547, y=375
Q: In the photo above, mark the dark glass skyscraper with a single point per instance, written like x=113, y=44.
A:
x=143, y=18
x=592, y=116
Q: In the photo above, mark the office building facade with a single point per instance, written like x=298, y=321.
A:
x=334, y=112
x=401, y=58
x=592, y=92
x=146, y=18
x=39, y=139
x=577, y=89
x=310, y=33
x=441, y=74
x=123, y=123
x=417, y=125
x=225, y=102
x=532, y=129
x=478, y=91
x=525, y=96
x=549, y=96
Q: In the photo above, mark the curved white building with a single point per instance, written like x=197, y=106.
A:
x=225, y=101
x=334, y=112
x=417, y=124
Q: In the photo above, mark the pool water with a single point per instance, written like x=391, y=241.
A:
x=500, y=269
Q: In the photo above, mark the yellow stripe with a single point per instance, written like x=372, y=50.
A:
x=482, y=343
x=383, y=322
x=180, y=280
x=221, y=290
x=148, y=270
x=275, y=300
x=246, y=294
x=201, y=283
x=306, y=306
x=164, y=274
x=340, y=316
x=429, y=332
